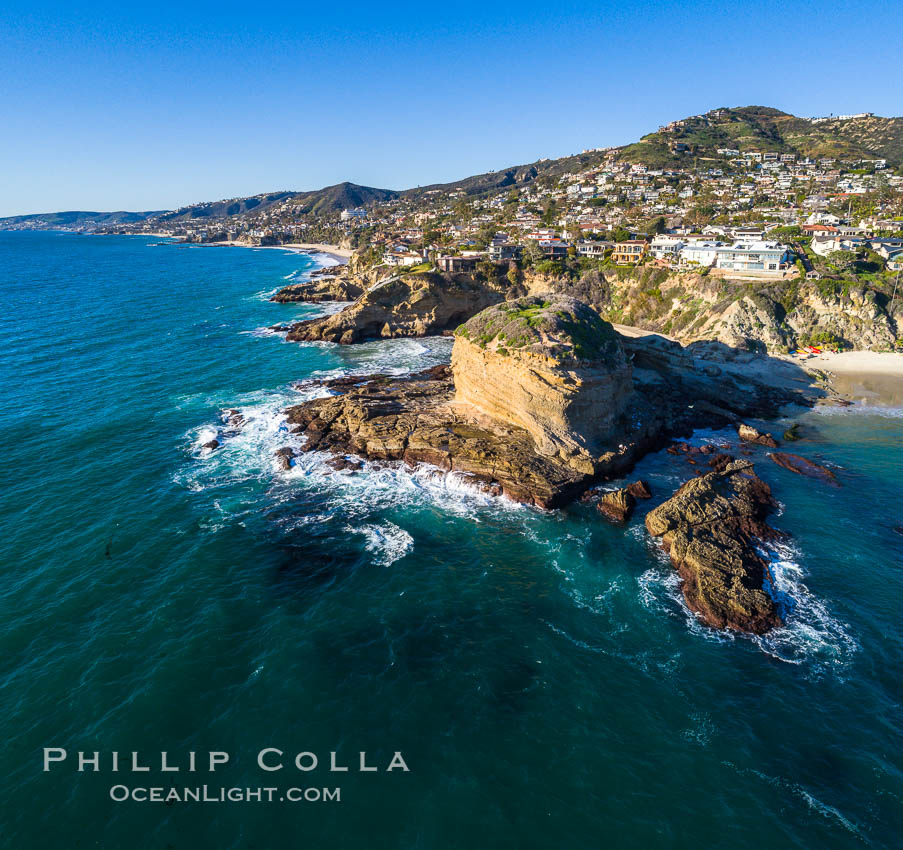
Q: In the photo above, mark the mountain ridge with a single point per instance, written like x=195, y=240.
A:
x=747, y=129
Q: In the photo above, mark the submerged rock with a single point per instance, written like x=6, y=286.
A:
x=803, y=466
x=213, y=444
x=792, y=434
x=709, y=528
x=342, y=463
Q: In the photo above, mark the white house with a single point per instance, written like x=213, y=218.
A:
x=700, y=253
x=768, y=257
x=666, y=246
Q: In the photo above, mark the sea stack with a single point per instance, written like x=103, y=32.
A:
x=550, y=365
x=712, y=528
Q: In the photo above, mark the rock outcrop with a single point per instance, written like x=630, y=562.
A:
x=285, y=457
x=319, y=290
x=549, y=365
x=413, y=419
x=752, y=435
x=617, y=505
x=540, y=453
x=406, y=305
x=710, y=528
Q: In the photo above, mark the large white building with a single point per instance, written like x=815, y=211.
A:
x=351, y=215
x=700, y=253
x=767, y=257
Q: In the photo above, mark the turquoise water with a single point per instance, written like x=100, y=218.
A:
x=537, y=670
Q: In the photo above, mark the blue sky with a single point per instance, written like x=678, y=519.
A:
x=124, y=106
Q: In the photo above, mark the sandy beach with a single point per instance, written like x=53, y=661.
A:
x=340, y=255
x=867, y=377
x=854, y=363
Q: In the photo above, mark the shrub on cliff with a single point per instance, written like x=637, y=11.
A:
x=556, y=325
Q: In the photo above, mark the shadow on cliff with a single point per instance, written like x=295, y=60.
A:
x=738, y=381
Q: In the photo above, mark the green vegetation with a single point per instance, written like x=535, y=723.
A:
x=565, y=328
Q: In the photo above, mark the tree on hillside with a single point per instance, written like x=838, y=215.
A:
x=842, y=260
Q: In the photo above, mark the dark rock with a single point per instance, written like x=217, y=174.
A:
x=284, y=457
x=617, y=505
x=639, y=489
x=709, y=528
x=341, y=462
x=721, y=461
x=803, y=466
x=213, y=444
x=751, y=435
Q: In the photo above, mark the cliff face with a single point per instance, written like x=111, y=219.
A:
x=550, y=366
x=765, y=315
x=409, y=305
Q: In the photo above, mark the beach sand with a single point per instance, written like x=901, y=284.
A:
x=867, y=377
x=340, y=255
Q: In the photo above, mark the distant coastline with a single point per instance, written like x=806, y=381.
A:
x=340, y=255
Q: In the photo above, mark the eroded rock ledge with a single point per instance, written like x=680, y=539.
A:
x=406, y=305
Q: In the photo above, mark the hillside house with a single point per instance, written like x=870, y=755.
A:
x=630, y=252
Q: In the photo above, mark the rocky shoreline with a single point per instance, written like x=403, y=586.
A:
x=544, y=401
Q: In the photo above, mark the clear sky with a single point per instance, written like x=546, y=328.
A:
x=108, y=106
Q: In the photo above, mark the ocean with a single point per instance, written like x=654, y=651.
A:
x=537, y=670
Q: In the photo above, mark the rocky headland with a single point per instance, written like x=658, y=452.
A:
x=403, y=305
x=543, y=400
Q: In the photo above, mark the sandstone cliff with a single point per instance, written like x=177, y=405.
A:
x=549, y=365
x=405, y=305
x=580, y=420
x=772, y=316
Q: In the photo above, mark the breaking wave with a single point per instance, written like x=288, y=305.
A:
x=811, y=636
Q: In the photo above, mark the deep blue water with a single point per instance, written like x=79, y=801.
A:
x=537, y=670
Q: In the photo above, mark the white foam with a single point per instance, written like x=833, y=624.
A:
x=810, y=634
x=810, y=637
x=387, y=542
x=816, y=805
x=859, y=410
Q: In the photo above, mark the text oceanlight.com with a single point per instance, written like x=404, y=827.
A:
x=208, y=794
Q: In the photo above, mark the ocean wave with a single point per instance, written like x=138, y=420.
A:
x=810, y=634
x=247, y=450
x=797, y=790
x=859, y=410
x=810, y=637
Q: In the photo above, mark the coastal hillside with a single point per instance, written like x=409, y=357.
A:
x=766, y=130
x=74, y=219
x=329, y=200
x=719, y=136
